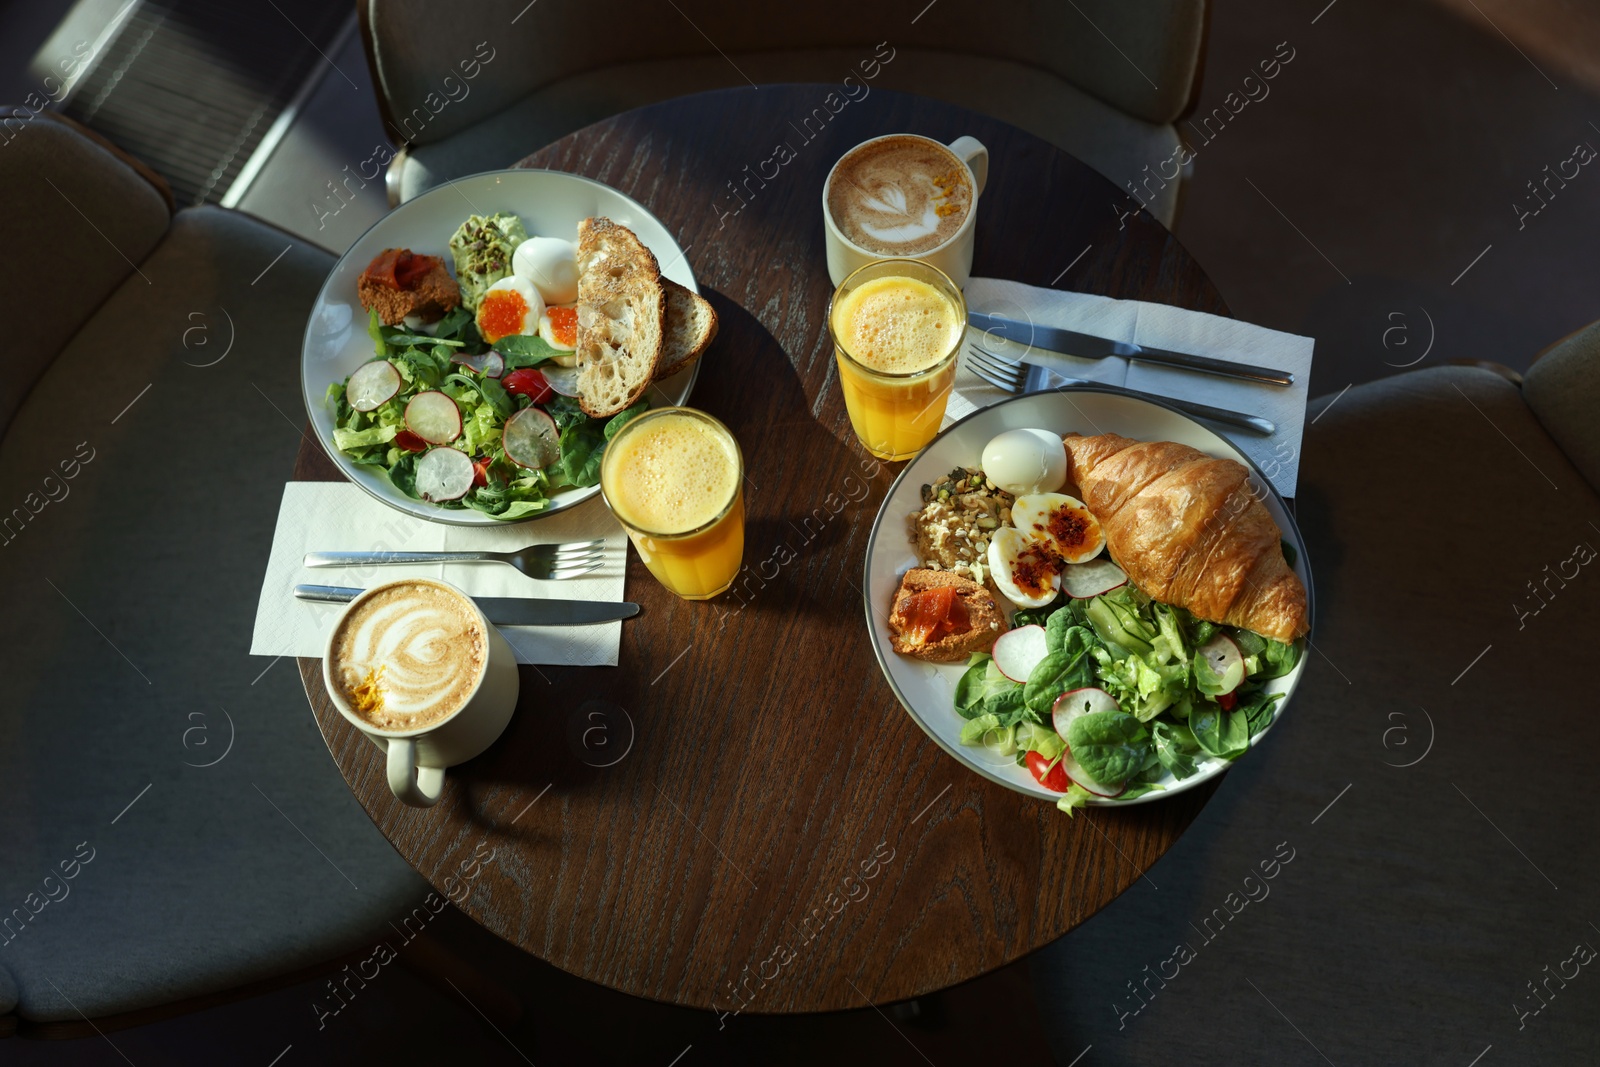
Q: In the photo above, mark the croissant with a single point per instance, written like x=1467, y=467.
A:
x=1188, y=531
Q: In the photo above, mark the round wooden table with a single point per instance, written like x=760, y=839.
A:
x=740, y=816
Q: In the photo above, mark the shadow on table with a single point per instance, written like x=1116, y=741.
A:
x=809, y=500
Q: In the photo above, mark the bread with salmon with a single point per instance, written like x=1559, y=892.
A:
x=942, y=617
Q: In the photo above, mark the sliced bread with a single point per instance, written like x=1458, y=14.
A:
x=622, y=311
x=691, y=327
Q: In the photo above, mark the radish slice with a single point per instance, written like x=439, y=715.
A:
x=444, y=474
x=1070, y=705
x=1017, y=652
x=1085, y=580
x=563, y=380
x=372, y=385
x=490, y=364
x=1225, y=658
x=434, y=417
x=530, y=439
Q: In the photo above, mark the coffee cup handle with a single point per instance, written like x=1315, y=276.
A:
x=971, y=151
x=418, y=786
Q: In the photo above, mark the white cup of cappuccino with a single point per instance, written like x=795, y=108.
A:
x=904, y=196
x=415, y=666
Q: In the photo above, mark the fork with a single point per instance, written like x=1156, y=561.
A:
x=547, y=563
x=1019, y=376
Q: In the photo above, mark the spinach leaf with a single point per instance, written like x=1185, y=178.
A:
x=981, y=681
x=1112, y=746
x=404, y=473
x=525, y=350
x=1258, y=709
x=581, y=446
x=1289, y=554
x=1070, y=668
x=1278, y=659
x=621, y=418
x=1175, y=748
x=564, y=410
x=1138, y=790
x=1221, y=733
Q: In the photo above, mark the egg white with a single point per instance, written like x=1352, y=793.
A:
x=1026, y=461
x=551, y=264
x=1004, y=548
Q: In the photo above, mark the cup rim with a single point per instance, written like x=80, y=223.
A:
x=948, y=357
x=416, y=731
x=631, y=426
x=966, y=223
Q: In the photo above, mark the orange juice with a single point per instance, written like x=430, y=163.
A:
x=897, y=326
x=674, y=479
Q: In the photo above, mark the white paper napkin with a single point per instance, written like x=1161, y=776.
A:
x=1158, y=326
x=338, y=516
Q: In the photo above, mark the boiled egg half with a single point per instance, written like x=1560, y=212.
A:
x=1026, y=461
x=551, y=264
x=1062, y=523
x=559, y=328
x=510, y=306
x=1024, y=570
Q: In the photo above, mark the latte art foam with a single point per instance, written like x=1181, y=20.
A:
x=899, y=196
x=409, y=656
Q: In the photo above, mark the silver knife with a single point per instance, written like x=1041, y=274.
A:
x=1088, y=346
x=502, y=610
x=1041, y=378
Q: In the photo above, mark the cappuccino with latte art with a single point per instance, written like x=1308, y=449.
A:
x=899, y=195
x=409, y=655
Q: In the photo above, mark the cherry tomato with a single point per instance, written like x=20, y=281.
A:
x=1051, y=777
x=1227, y=701
x=410, y=442
x=528, y=382
x=480, y=471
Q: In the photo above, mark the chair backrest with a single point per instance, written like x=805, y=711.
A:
x=79, y=215
x=440, y=68
x=1563, y=389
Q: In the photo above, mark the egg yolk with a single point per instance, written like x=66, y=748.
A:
x=501, y=314
x=1034, y=571
x=564, y=325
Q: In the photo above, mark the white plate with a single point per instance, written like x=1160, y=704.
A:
x=927, y=690
x=550, y=204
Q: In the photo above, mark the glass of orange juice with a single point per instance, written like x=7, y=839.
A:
x=897, y=326
x=674, y=478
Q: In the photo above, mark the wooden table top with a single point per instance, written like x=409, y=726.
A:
x=740, y=816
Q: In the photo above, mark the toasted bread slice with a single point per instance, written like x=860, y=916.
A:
x=691, y=327
x=622, y=311
x=985, y=619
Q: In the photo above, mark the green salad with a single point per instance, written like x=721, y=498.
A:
x=1105, y=696
x=461, y=425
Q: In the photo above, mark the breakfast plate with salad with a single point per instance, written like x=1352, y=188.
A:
x=1088, y=598
x=471, y=354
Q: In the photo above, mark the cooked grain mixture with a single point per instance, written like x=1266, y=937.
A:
x=960, y=512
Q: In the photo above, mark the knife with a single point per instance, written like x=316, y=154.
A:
x=502, y=610
x=1041, y=378
x=1072, y=343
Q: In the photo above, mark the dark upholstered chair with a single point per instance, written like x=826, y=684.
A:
x=1448, y=718
x=171, y=825
x=471, y=90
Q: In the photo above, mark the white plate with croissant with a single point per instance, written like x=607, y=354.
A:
x=1183, y=514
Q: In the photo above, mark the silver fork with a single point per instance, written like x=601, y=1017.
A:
x=547, y=563
x=1019, y=376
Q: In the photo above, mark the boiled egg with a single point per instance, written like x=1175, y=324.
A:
x=1026, y=461
x=510, y=306
x=1062, y=523
x=1024, y=570
x=559, y=328
x=551, y=264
